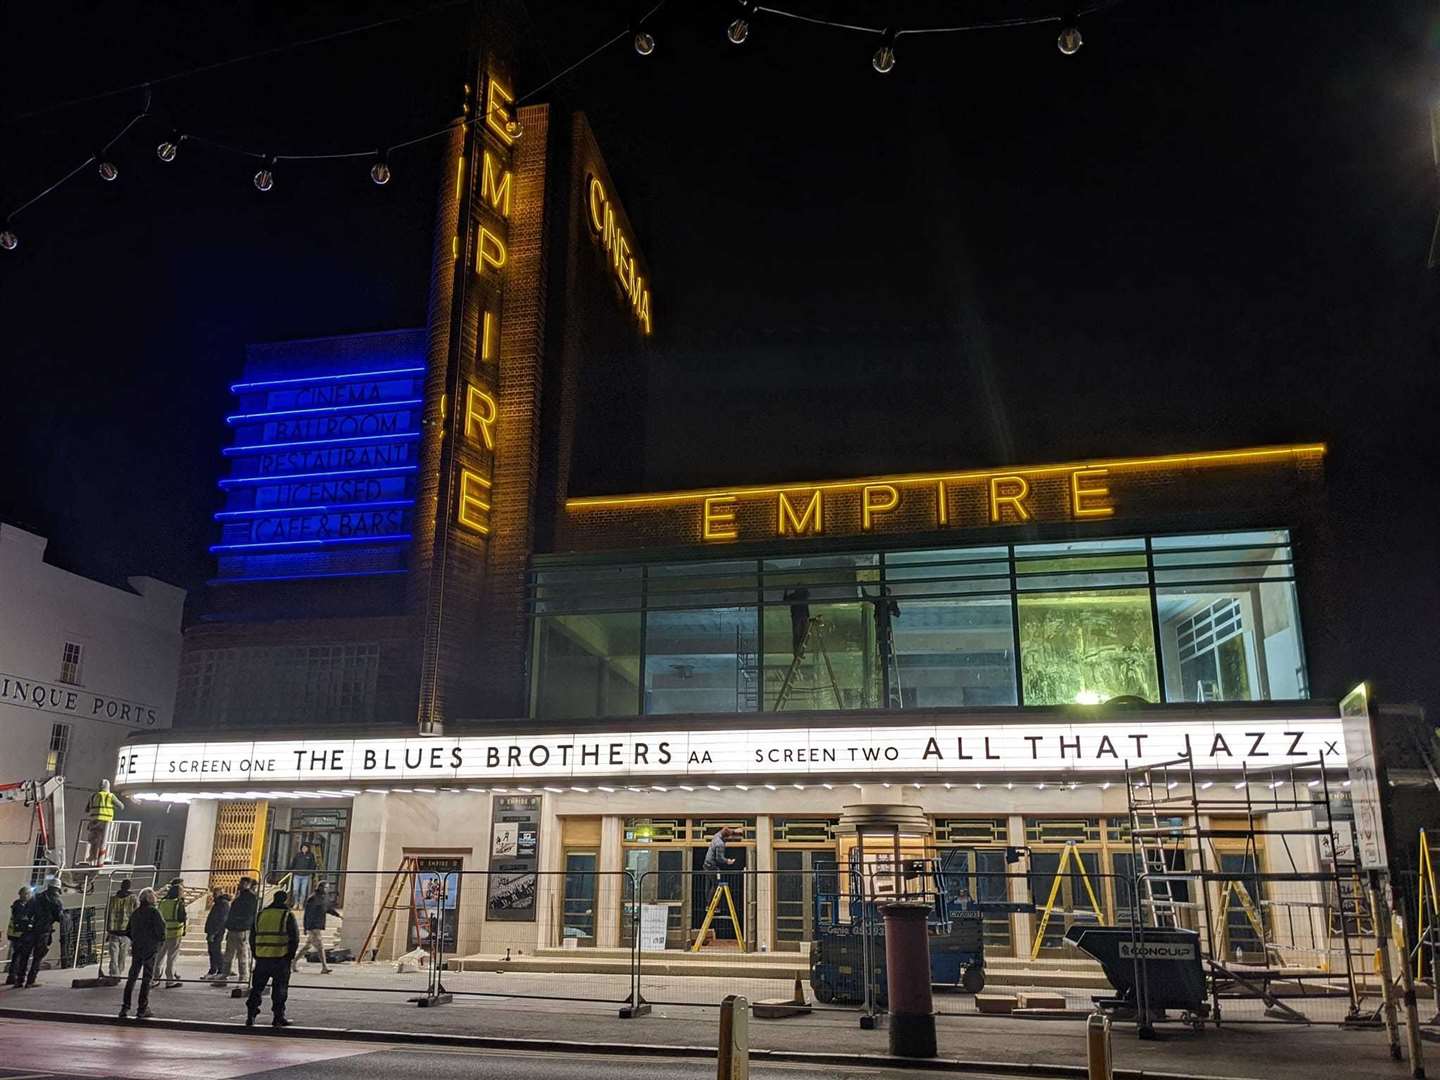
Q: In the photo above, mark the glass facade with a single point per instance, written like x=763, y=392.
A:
x=1167, y=618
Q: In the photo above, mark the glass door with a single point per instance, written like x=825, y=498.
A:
x=579, y=923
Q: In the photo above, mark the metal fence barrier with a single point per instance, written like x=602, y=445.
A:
x=618, y=939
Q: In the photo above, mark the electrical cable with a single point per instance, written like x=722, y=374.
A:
x=203, y=68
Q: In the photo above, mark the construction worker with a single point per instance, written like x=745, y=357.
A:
x=238, y=924
x=44, y=911
x=146, y=931
x=215, y=932
x=317, y=907
x=15, y=931
x=275, y=940
x=101, y=812
x=117, y=917
x=172, y=910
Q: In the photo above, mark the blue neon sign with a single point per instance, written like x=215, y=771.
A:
x=324, y=461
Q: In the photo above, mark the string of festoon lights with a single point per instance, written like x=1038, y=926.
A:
x=747, y=14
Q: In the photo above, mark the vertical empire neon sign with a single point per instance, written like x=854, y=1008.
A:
x=477, y=393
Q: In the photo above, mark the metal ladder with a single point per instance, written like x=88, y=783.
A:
x=815, y=633
x=1156, y=887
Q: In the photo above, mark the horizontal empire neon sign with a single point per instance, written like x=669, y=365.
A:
x=1080, y=490
x=919, y=749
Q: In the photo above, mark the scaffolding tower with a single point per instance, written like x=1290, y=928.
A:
x=1181, y=826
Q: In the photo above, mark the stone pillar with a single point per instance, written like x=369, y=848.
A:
x=608, y=892
x=1023, y=925
x=764, y=884
x=365, y=883
x=199, y=845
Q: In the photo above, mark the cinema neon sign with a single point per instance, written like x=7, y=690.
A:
x=617, y=244
x=1077, y=491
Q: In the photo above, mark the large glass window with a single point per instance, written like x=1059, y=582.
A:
x=1200, y=617
x=702, y=660
x=1087, y=647
x=586, y=665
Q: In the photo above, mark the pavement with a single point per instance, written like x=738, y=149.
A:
x=360, y=1005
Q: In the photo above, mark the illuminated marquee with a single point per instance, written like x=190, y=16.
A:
x=605, y=228
x=1078, y=491
x=918, y=749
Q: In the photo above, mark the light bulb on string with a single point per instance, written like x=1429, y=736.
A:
x=739, y=29
x=380, y=171
x=884, y=59
x=1070, y=40
x=644, y=42
x=107, y=169
x=264, y=178
x=167, y=150
x=8, y=240
x=514, y=128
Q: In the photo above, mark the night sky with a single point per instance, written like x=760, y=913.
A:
x=1208, y=229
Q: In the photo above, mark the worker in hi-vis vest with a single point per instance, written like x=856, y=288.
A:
x=118, y=910
x=274, y=941
x=101, y=812
x=172, y=910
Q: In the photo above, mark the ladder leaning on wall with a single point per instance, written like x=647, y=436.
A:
x=399, y=896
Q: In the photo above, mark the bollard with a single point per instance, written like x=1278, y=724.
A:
x=733, y=1058
x=907, y=978
x=1098, y=1058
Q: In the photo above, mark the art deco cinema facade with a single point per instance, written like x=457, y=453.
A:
x=418, y=639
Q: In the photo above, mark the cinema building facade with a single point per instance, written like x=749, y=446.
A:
x=420, y=644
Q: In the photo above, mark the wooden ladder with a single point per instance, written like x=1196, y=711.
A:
x=400, y=894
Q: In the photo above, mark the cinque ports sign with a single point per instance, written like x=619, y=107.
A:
x=911, y=751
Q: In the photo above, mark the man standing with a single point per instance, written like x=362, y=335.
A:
x=172, y=910
x=715, y=860
x=117, y=917
x=317, y=906
x=15, y=932
x=302, y=870
x=215, y=932
x=275, y=940
x=101, y=812
x=44, y=912
x=146, y=931
x=238, y=925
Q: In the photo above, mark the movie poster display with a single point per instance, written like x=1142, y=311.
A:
x=514, y=858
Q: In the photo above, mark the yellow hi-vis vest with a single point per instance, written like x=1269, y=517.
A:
x=272, y=941
x=118, y=912
x=174, y=920
x=102, y=806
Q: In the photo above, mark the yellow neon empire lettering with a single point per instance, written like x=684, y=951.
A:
x=1079, y=494
x=718, y=518
x=459, y=173
x=869, y=508
x=942, y=503
x=497, y=191
x=1018, y=487
x=489, y=251
x=474, y=502
x=597, y=209
x=497, y=110
x=1213, y=458
x=812, y=520
x=481, y=411
x=487, y=336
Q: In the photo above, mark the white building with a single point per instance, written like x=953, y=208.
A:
x=83, y=665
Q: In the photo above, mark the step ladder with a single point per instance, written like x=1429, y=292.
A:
x=399, y=896
x=814, y=638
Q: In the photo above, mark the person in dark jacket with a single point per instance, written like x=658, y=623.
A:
x=302, y=870
x=275, y=939
x=15, y=931
x=215, y=932
x=146, y=932
x=238, y=925
x=44, y=911
x=317, y=906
